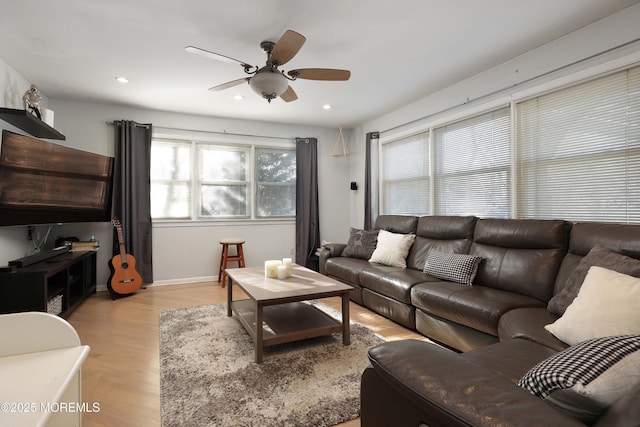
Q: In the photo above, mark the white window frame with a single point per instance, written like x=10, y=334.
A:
x=248, y=142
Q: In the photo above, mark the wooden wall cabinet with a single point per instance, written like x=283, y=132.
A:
x=38, y=287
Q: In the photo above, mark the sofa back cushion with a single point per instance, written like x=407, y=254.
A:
x=620, y=238
x=448, y=234
x=520, y=255
x=403, y=224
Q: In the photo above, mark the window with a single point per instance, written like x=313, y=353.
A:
x=472, y=166
x=405, y=176
x=223, y=181
x=170, y=179
x=202, y=180
x=276, y=183
x=572, y=153
x=579, y=151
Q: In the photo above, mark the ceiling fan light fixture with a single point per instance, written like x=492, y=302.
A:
x=269, y=83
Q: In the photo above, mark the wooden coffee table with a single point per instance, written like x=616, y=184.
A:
x=277, y=306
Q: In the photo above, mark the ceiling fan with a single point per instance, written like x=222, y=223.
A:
x=268, y=81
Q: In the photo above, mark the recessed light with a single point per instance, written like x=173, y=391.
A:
x=326, y=107
x=122, y=80
x=238, y=97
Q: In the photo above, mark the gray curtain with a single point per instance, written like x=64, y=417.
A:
x=131, y=192
x=307, y=216
x=368, y=203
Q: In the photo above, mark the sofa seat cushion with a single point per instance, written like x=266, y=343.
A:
x=393, y=282
x=346, y=269
x=528, y=324
x=510, y=359
x=477, y=307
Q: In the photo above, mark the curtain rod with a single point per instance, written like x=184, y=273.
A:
x=141, y=125
x=217, y=132
x=515, y=85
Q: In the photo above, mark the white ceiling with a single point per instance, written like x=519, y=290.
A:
x=397, y=51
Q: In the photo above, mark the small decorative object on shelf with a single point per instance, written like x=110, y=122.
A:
x=92, y=245
x=31, y=100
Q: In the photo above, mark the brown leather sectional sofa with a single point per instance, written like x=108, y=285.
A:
x=492, y=332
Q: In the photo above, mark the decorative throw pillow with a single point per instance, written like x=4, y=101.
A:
x=392, y=249
x=361, y=243
x=607, y=304
x=586, y=378
x=457, y=268
x=598, y=256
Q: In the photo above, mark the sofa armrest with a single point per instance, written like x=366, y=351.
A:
x=329, y=250
x=451, y=391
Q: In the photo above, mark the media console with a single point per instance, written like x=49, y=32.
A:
x=56, y=285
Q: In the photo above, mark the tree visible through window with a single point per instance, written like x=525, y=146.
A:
x=276, y=183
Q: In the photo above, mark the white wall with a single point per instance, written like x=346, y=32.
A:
x=184, y=253
x=602, y=46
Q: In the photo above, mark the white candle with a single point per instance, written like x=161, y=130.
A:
x=271, y=268
x=287, y=263
x=282, y=272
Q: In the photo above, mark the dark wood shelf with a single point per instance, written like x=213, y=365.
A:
x=29, y=123
x=32, y=288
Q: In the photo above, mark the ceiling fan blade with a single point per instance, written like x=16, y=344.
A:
x=289, y=95
x=287, y=47
x=213, y=55
x=320, y=74
x=232, y=83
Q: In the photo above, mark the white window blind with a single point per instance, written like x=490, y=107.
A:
x=579, y=151
x=472, y=166
x=405, y=176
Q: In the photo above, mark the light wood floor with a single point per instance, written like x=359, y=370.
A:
x=122, y=372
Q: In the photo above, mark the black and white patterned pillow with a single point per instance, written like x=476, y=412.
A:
x=597, y=372
x=457, y=268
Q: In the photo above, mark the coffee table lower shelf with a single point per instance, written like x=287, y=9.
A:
x=284, y=323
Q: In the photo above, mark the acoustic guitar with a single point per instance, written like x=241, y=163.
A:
x=124, y=279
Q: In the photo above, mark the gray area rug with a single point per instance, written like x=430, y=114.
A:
x=209, y=377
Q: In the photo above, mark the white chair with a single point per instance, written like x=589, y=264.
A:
x=40, y=361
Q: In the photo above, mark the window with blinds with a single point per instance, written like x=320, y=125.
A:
x=472, y=166
x=405, y=176
x=578, y=151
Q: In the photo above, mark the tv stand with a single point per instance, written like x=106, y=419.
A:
x=57, y=285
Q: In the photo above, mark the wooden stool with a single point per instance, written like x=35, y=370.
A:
x=225, y=257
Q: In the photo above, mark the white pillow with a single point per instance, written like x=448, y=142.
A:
x=392, y=249
x=607, y=304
